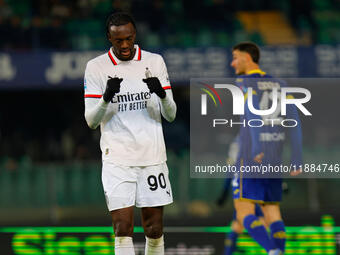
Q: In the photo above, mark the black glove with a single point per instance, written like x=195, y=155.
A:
x=155, y=86
x=221, y=200
x=112, y=88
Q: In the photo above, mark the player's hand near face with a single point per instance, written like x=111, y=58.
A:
x=258, y=158
x=112, y=88
x=155, y=86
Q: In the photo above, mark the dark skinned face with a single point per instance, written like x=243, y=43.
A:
x=122, y=39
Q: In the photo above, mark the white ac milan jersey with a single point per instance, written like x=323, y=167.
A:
x=131, y=130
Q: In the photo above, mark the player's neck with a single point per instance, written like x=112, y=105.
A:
x=251, y=67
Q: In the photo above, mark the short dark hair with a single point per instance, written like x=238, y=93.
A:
x=251, y=48
x=119, y=19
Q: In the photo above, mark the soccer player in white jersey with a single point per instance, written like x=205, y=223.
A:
x=126, y=92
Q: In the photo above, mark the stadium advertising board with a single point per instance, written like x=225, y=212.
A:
x=180, y=240
x=49, y=69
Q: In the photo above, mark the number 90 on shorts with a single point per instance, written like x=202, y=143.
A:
x=146, y=186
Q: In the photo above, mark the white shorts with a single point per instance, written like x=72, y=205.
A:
x=146, y=186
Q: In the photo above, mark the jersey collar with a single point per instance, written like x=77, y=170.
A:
x=116, y=61
x=259, y=71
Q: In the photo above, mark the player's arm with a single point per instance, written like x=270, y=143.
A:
x=295, y=134
x=168, y=106
x=256, y=147
x=96, y=102
x=95, y=110
x=160, y=85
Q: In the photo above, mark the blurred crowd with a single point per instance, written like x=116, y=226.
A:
x=80, y=24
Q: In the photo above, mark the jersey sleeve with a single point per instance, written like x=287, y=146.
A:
x=168, y=105
x=92, y=82
x=163, y=74
x=95, y=109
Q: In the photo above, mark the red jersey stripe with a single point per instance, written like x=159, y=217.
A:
x=112, y=59
x=139, y=54
x=167, y=87
x=92, y=96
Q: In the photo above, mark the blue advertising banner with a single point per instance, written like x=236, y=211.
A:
x=53, y=69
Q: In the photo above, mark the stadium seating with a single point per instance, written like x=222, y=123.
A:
x=81, y=27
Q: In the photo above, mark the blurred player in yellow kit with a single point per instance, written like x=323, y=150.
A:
x=261, y=145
